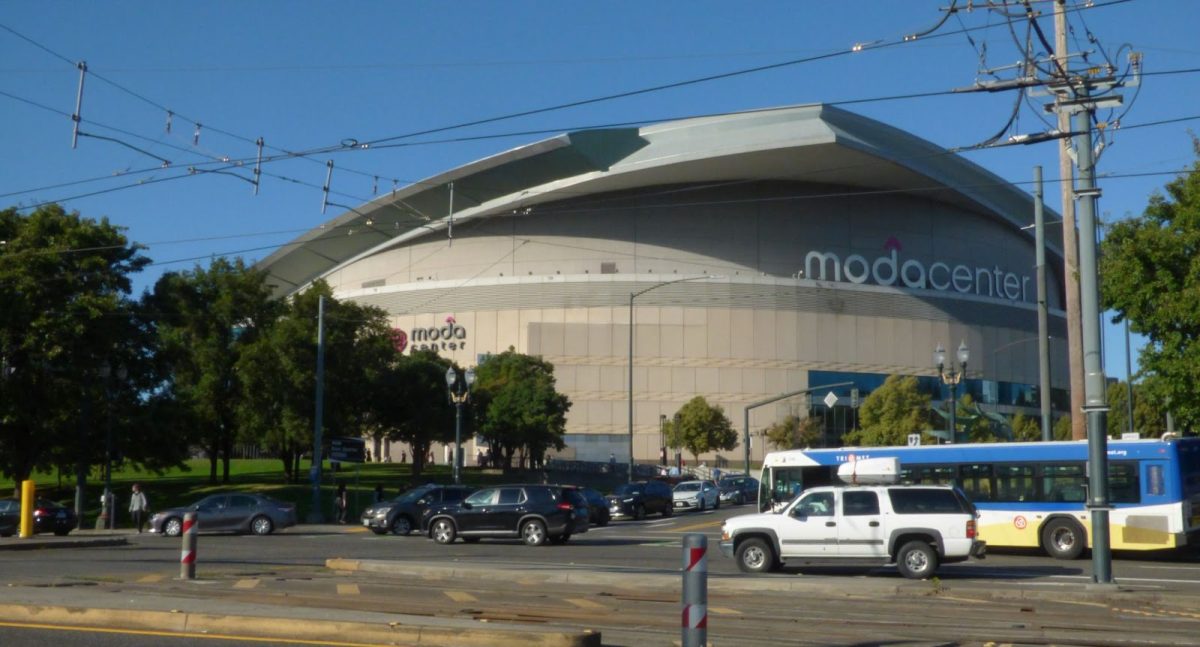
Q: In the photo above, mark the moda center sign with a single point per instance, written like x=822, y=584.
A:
x=451, y=336
x=892, y=269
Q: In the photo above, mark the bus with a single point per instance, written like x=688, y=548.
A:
x=1032, y=494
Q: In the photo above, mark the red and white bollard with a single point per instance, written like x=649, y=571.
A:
x=187, y=559
x=695, y=590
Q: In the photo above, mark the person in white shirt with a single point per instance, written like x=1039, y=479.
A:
x=138, y=507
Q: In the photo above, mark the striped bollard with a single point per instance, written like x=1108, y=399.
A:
x=187, y=559
x=695, y=590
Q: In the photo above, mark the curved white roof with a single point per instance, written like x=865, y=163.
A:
x=813, y=143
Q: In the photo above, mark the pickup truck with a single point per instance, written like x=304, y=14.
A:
x=914, y=527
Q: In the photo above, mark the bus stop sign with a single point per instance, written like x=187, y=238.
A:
x=347, y=450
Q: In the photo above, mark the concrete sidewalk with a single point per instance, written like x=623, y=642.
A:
x=86, y=538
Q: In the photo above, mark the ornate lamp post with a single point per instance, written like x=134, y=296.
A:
x=460, y=391
x=951, y=378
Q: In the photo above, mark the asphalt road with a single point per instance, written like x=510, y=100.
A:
x=651, y=546
x=287, y=572
x=17, y=636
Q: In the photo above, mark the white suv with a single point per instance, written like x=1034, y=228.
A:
x=915, y=527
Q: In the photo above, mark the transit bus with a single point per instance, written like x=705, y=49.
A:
x=1031, y=495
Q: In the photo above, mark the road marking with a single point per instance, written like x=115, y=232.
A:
x=347, y=589
x=151, y=579
x=461, y=596
x=357, y=529
x=178, y=634
x=586, y=604
x=1127, y=579
x=697, y=526
x=245, y=584
x=724, y=611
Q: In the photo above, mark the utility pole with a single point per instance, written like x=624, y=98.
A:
x=1043, y=325
x=1070, y=237
x=315, y=515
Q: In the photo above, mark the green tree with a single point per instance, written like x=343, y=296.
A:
x=890, y=413
x=414, y=405
x=700, y=427
x=205, y=319
x=793, y=432
x=1062, y=428
x=1150, y=275
x=517, y=406
x=1025, y=428
x=64, y=312
x=1148, y=417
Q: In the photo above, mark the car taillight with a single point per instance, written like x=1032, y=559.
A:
x=565, y=505
x=971, y=529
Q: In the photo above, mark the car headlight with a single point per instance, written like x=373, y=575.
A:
x=629, y=500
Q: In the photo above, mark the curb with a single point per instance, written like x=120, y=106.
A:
x=738, y=584
x=81, y=542
x=211, y=625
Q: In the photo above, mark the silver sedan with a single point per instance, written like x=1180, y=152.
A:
x=697, y=495
x=228, y=512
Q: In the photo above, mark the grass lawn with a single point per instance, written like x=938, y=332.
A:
x=264, y=476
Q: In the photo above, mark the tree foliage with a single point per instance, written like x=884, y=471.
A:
x=701, y=427
x=1026, y=428
x=517, y=406
x=1149, y=417
x=1150, y=275
x=413, y=404
x=890, y=413
x=793, y=433
x=64, y=312
x=205, y=319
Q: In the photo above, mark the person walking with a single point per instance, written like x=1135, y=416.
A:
x=138, y=507
x=342, y=501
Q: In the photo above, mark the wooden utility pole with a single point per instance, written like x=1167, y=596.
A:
x=1070, y=239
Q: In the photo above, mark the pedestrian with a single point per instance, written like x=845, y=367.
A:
x=342, y=501
x=378, y=493
x=403, y=457
x=138, y=507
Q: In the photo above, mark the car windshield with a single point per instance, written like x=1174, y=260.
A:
x=628, y=488
x=688, y=487
x=412, y=495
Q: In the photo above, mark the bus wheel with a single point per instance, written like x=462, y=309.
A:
x=1063, y=539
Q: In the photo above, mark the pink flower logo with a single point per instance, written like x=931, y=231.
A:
x=450, y=320
x=892, y=243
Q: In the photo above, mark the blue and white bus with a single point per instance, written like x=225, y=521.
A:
x=1032, y=495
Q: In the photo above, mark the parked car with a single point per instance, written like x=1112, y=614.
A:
x=597, y=506
x=48, y=516
x=402, y=515
x=638, y=499
x=534, y=513
x=697, y=495
x=228, y=512
x=736, y=490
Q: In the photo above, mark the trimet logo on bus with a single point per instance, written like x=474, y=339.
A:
x=889, y=270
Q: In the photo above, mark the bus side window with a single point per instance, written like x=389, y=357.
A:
x=1015, y=483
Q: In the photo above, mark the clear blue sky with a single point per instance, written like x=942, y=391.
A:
x=306, y=75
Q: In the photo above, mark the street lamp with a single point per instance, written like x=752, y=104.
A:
x=106, y=371
x=632, y=296
x=458, y=396
x=952, y=377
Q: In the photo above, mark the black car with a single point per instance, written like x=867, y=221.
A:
x=636, y=500
x=48, y=516
x=598, y=506
x=534, y=513
x=402, y=514
x=738, y=489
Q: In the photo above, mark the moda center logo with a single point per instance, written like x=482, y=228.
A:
x=450, y=336
x=912, y=273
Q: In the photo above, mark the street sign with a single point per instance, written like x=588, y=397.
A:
x=914, y=440
x=854, y=398
x=347, y=450
x=830, y=400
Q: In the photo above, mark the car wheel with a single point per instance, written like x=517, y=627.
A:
x=639, y=512
x=443, y=531
x=401, y=525
x=755, y=556
x=261, y=525
x=717, y=505
x=533, y=533
x=1063, y=539
x=917, y=560
x=703, y=504
x=172, y=527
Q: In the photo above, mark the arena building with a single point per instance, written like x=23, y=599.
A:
x=768, y=252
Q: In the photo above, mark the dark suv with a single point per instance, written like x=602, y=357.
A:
x=402, y=514
x=534, y=513
x=638, y=499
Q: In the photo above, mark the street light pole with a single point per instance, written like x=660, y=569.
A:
x=459, y=397
x=951, y=378
x=632, y=296
x=106, y=372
